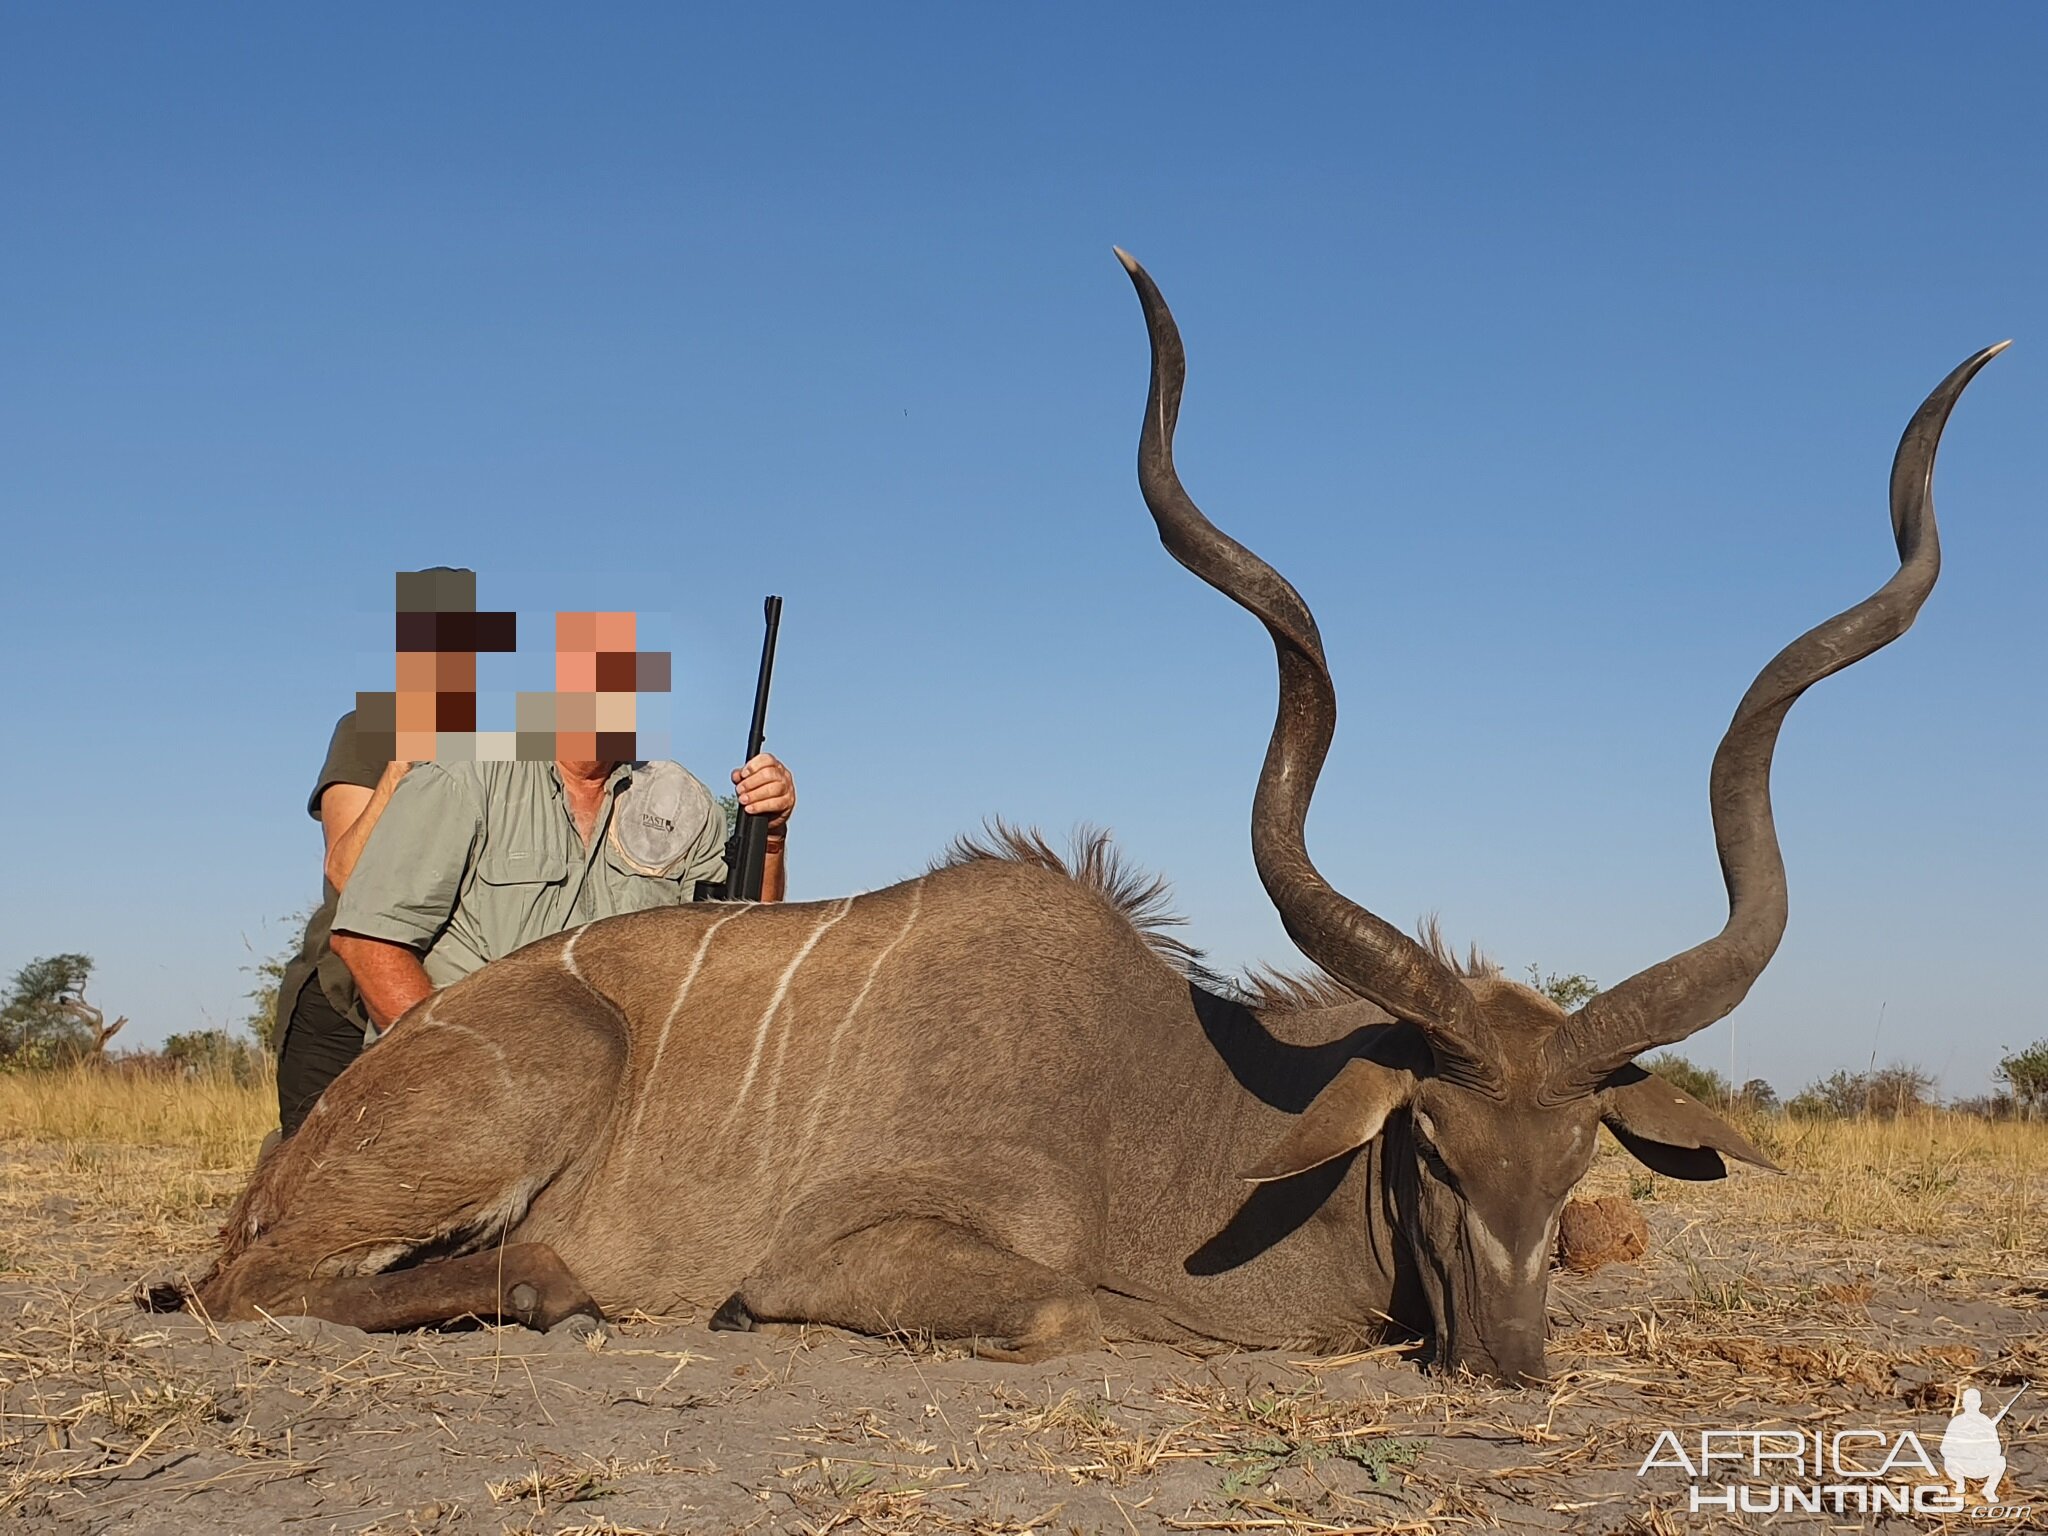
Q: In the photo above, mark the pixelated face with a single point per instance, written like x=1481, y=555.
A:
x=432, y=713
x=598, y=673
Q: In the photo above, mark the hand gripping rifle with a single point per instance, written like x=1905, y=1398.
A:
x=746, y=851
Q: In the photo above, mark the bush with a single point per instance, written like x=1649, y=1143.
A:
x=2026, y=1073
x=214, y=1053
x=42, y=1022
x=1703, y=1083
x=1570, y=993
x=1883, y=1094
x=1988, y=1106
x=1758, y=1096
x=261, y=1019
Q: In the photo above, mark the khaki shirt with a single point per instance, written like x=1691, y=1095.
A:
x=472, y=860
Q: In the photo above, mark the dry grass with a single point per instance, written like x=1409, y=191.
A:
x=155, y=1158
x=1934, y=1195
x=217, y=1120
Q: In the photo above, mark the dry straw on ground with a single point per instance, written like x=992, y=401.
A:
x=1895, y=1263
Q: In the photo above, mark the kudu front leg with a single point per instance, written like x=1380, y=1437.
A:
x=922, y=1276
x=521, y=1283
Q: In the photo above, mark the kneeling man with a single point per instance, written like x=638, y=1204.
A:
x=472, y=860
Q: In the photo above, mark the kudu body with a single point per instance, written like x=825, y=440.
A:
x=988, y=1104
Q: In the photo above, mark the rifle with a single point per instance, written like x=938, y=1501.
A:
x=746, y=851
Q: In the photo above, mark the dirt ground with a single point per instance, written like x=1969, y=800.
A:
x=1868, y=1287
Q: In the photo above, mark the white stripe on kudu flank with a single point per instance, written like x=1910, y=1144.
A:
x=839, y=1034
x=675, y=1010
x=775, y=1007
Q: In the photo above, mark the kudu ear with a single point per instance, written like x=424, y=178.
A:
x=1671, y=1132
x=1342, y=1118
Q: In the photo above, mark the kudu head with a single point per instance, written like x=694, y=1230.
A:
x=1488, y=1117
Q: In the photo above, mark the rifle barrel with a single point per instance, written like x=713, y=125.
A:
x=771, y=614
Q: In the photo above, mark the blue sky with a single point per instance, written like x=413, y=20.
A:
x=1557, y=355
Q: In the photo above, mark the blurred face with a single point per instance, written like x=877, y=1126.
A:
x=436, y=692
x=589, y=718
x=432, y=709
x=598, y=677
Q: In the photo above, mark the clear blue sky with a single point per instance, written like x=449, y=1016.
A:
x=1557, y=354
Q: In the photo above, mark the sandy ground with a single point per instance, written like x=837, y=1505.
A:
x=1746, y=1312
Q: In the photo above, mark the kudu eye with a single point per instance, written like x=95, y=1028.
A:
x=1427, y=1150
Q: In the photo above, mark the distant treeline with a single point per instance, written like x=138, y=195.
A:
x=1879, y=1093
x=47, y=1023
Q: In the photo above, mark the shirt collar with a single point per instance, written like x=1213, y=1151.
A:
x=620, y=776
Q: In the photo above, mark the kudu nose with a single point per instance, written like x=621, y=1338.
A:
x=1530, y=1370
x=1512, y=1355
x=1509, y=1367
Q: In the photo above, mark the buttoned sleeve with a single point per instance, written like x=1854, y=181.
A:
x=409, y=877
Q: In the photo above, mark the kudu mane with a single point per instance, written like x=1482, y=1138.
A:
x=1145, y=901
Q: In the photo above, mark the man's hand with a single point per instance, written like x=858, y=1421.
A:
x=766, y=788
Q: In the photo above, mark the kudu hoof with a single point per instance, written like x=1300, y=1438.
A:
x=165, y=1291
x=540, y=1292
x=578, y=1328
x=544, y=1308
x=732, y=1316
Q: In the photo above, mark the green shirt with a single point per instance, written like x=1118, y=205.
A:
x=348, y=762
x=472, y=860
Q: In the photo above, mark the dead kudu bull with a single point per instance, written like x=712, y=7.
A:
x=991, y=1104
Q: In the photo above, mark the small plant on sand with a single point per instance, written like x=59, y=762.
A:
x=1265, y=1455
x=1716, y=1292
x=551, y=1488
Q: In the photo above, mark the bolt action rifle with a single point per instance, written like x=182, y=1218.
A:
x=746, y=851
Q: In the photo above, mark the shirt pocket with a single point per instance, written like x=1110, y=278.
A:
x=520, y=895
x=635, y=890
x=522, y=866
